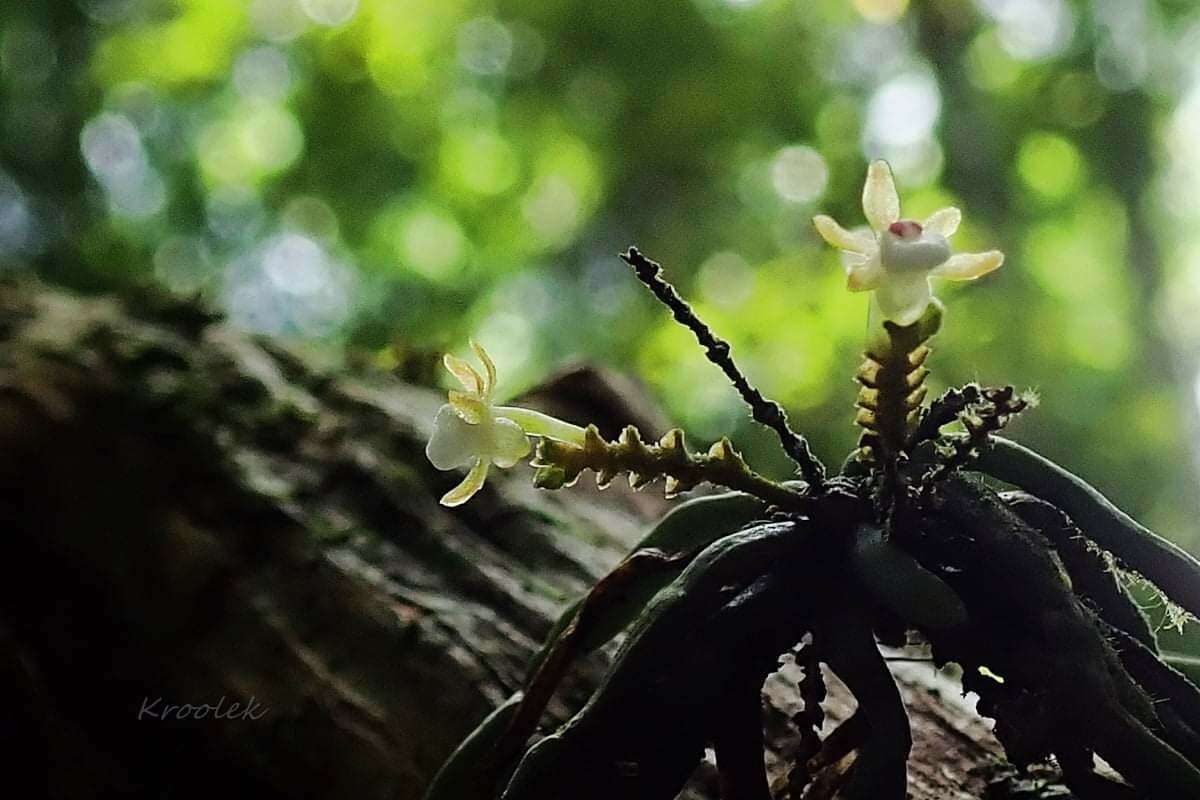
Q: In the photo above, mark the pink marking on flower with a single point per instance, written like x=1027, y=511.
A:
x=906, y=228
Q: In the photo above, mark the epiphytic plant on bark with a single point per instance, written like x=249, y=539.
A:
x=1023, y=589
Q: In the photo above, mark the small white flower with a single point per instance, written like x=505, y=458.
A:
x=896, y=257
x=469, y=429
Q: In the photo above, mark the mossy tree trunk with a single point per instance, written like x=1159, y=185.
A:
x=196, y=518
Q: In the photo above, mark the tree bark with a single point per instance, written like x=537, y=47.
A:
x=226, y=569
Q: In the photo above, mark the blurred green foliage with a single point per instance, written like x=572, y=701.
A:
x=390, y=176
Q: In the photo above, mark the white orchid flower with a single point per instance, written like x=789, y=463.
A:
x=469, y=430
x=896, y=257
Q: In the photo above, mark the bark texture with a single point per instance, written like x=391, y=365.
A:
x=197, y=516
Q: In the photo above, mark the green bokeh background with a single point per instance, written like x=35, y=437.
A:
x=386, y=177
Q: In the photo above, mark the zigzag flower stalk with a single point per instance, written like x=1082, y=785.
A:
x=559, y=464
x=469, y=429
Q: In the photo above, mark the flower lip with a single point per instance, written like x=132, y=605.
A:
x=906, y=229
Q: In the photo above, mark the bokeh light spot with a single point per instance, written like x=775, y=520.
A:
x=479, y=160
x=552, y=208
x=799, y=174
x=257, y=141
x=903, y=110
x=289, y=285
x=1126, y=38
x=1032, y=30
x=294, y=264
x=329, y=13
x=271, y=137
x=113, y=151
x=726, y=280
x=112, y=147
x=397, y=71
x=869, y=54
x=278, y=20
x=194, y=42
x=485, y=46
x=881, y=11
x=263, y=73
x=989, y=65
x=529, y=50
x=431, y=242
x=1050, y=165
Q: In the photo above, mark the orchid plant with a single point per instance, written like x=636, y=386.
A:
x=1023, y=590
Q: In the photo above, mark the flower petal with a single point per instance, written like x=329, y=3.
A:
x=510, y=444
x=469, y=407
x=469, y=486
x=839, y=237
x=881, y=204
x=466, y=374
x=863, y=273
x=454, y=442
x=489, y=381
x=968, y=266
x=903, y=297
x=944, y=221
